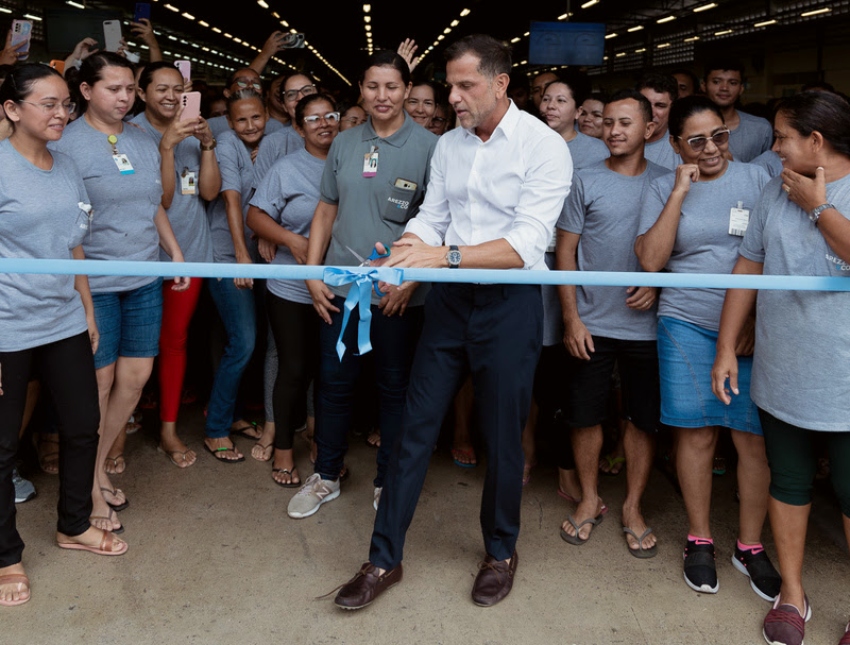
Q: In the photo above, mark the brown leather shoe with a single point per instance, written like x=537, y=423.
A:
x=494, y=580
x=367, y=585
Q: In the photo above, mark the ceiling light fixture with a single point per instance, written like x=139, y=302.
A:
x=705, y=7
x=632, y=30
x=589, y=4
x=73, y=4
x=613, y=34
x=725, y=32
x=764, y=23
x=815, y=12
x=661, y=21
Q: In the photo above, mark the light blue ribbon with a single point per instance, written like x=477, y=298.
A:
x=360, y=293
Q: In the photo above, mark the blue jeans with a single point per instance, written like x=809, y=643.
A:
x=128, y=322
x=236, y=308
x=393, y=343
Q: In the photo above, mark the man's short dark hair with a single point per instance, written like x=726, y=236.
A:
x=660, y=83
x=643, y=102
x=724, y=65
x=494, y=55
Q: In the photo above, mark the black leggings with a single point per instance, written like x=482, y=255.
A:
x=295, y=328
x=793, y=462
x=66, y=369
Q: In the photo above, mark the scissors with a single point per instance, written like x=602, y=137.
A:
x=365, y=262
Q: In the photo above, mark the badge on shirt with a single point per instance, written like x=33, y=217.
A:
x=739, y=219
x=123, y=163
x=188, y=182
x=370, y=162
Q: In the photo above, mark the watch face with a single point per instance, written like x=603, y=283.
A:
x=454, y=258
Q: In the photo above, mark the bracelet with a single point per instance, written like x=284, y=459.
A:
x=209, y=147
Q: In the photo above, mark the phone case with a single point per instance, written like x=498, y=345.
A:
x=191, y=102
x=143, y=10
x=185, y=68
x=112, y=35
x=21, y=33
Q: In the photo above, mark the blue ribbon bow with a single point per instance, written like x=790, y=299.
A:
x=360, y=292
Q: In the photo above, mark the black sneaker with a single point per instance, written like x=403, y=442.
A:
x=764, y=578
x=700, y=571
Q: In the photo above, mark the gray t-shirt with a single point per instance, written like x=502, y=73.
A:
x=125, y=205
x=703, y=242
x=237, y=173
x=587, y=151
x=219, y=125
x=604, y=208
x=375, y=209
x=289, y=194
x=752, y=137
x=40, y=217
x=187, y=214
x=661, y=153
x=273, y=147
x=800, y=369
x=770, y=162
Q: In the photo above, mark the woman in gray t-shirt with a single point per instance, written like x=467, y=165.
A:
x=281, y=212
x=46, y=321
x=692, y=222
x=801, y=383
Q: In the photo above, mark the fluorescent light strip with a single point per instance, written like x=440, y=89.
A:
x=661, y=21
x=632, y=30
x=705, y=7
x=723, y=33
x=589, y=4
x=73, y=4
x=613, y=34
x=815, y=12
x=764, y=23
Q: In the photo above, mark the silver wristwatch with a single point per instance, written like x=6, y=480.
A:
x=815, y=214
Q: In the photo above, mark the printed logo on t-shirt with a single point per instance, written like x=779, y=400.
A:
x=400, y=203
x=842, y=265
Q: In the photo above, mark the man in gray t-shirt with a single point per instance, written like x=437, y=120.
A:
x=660, y=90
x=608, y=325
x=749, y=135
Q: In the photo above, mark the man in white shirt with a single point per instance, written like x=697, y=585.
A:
x=497, y=187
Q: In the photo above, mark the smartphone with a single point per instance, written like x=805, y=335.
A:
x=21, y=33
x=185, y=68
x=143, y=10
x=111, y=35
x=191, y=102
x=58, y=65
x=293, y=41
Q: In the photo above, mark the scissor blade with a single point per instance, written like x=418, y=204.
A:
x=363, y=261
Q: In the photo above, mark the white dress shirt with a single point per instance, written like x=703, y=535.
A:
x=511, y=186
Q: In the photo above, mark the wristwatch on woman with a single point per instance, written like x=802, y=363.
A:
x=815, y=214
x=453, y=257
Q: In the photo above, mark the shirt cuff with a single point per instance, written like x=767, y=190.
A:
x=424, y=232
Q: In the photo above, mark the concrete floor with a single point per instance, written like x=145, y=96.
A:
x=214, y=559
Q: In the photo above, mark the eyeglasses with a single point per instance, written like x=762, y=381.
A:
x=245, y=84
x=438, y=119
x=697, y=144
x=307, y=90
x=51, y=106
x=330, y=117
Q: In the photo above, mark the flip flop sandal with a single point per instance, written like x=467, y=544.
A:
x=172, y=453
x=264, y=448
x=215, y=452
x=115, y=461
x=640, y=552
x=471, y=462
x=612, y=463
x=575, y=539
x=11, y=579
x=285, y=471
x=108, y=518
x=105, y=547
x=49, y=461
x=115, y=507
x=242, y=431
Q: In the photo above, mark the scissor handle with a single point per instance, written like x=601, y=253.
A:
x=377, y=256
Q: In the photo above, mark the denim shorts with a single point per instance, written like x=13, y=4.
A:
x=128, y=323
x=685, y=358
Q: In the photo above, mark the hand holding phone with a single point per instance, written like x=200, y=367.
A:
x=20, y=38
x=191, y=104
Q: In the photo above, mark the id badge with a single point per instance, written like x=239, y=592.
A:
x=739, y=219
x=370, y=162
x=188, y=182
x=124, y=165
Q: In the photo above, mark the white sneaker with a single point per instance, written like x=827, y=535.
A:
x=24, y=489
x=315, y=492
x=377, y=499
